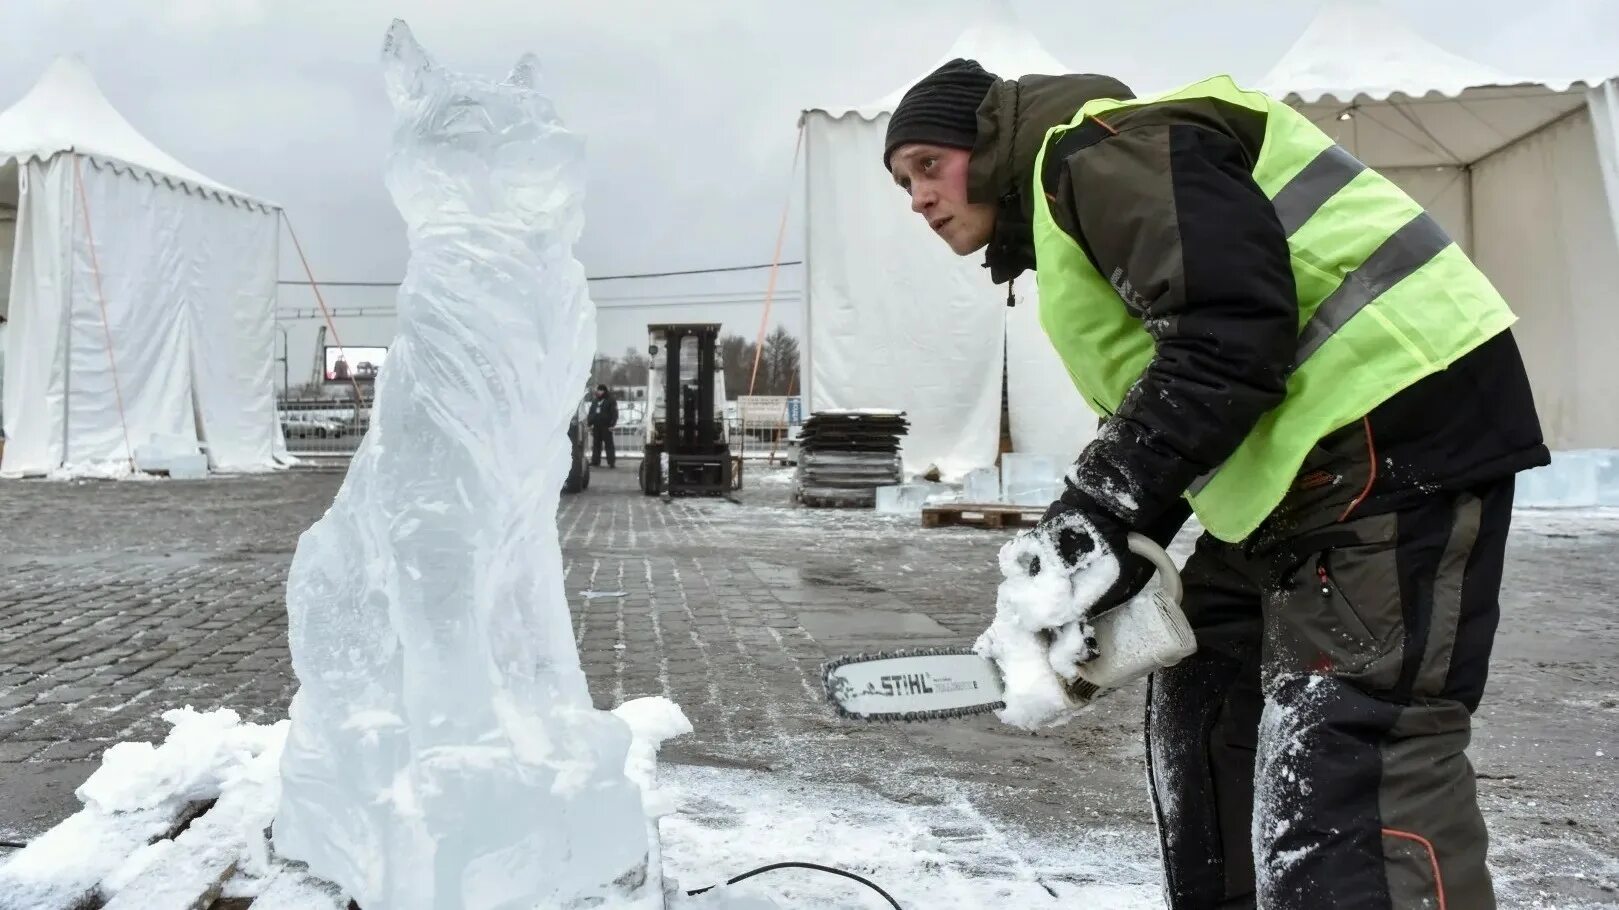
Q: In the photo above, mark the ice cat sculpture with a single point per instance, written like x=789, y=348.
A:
x=443, y=751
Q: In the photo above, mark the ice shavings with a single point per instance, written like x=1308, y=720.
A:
x=432, y=589
x=136, y=796
x=1041, y=601
x=942, y=854
x=1293, y=706
x=1074, y=645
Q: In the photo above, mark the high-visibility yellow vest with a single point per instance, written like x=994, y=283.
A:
x=1385, y=298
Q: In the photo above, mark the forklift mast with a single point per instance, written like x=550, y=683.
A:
x=685, y=429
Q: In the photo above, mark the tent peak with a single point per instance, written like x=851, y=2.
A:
x=1362, y=47
x=997, y=40
x=66, y=111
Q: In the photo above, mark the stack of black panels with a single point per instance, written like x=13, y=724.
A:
x=844, y=456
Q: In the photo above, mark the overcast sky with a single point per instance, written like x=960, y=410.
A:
x=689, y=106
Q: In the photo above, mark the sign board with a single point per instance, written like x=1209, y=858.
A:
x=762, y=411
x=353, y=364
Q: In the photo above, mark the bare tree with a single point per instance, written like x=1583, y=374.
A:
x=602, y=370
x=631, y=369
x=736, y=353
x=778, y=368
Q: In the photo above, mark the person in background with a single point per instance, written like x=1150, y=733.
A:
x=1283, y=341
x=602, y=418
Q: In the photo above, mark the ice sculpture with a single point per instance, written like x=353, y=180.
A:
x=443, y=751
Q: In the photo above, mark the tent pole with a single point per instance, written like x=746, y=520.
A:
x=67, y=327
x=1467, y=174
x=808, y=364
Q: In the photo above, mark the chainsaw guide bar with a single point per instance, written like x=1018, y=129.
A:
x=922, y=671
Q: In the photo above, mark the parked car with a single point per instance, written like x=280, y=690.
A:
x=295, y=424
x=579, y=466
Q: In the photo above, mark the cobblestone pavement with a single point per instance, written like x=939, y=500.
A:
x=121, y=600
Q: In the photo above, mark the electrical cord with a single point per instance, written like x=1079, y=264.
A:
x=746, y=875
x=819, y=868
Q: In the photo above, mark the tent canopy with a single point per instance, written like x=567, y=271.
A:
x=1522, y=171
x=997, y=42
x=140, y=299
x=1395, y=99
x=896, y=320
x=66, y=111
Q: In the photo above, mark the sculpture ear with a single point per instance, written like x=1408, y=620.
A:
x=406, y=66
x=526, y=74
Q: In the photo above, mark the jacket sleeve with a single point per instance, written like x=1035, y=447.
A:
x=1170, y=214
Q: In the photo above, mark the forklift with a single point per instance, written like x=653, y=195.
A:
x=686, y=450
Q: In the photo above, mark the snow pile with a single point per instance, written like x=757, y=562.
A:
x=1040, y=634
x=652, y=721
x=102, y=852
x=444, y=751
x=136, y=795
x=115, y=469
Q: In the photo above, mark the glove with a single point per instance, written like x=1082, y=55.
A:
x=1085, y=534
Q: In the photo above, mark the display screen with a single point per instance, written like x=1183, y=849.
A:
x=352, y=364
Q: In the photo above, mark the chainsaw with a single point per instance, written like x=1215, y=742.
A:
x=1148, y=633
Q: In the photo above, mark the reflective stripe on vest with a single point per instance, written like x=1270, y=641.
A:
x=1385, y=298
x=1408, y=249
x=1320, y=180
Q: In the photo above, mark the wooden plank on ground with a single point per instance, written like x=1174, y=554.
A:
x=62, y=869
x=292, y=888
x=192, y=873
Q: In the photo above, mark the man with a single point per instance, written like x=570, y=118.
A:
x=1283, y=341
x=602, y=418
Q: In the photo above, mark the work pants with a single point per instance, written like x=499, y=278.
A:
x=601, y=436
x=1311, y=754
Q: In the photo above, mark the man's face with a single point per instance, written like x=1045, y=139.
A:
x=936, y=179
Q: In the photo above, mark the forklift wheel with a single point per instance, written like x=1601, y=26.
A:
x=651, y=476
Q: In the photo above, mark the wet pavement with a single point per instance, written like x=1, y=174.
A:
x=121, y=600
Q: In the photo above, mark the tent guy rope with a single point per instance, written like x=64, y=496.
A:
x=101, y=298
x=776, y=263
x=325, y=312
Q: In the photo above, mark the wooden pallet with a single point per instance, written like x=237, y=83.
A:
x=981, y=515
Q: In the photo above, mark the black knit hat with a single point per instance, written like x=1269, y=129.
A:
x=942, y=109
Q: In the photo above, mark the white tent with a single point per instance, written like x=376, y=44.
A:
x=896, y=320
x=1522, y=172
x=139, y=294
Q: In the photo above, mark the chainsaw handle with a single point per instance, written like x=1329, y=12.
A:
x=1168, y=575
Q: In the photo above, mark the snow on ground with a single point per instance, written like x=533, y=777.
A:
x=1566, y=522
x=940, y=857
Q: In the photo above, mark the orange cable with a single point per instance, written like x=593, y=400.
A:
x=330, y=326
x=1371, y=456
x=775, y=263
x=101, y=297
x=1433, y=860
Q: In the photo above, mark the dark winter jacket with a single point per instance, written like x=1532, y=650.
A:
x=1165, y=193
x=603, y=412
